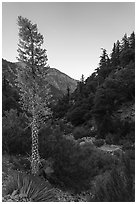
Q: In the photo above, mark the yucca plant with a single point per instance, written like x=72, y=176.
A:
x=33, y=188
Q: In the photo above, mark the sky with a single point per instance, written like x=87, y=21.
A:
x=74, y=32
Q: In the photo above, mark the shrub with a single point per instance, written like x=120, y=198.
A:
x=28, y=187
x=104, y=161
x=107, y=188
x=130, y=161
x=115, y=186
x=127, y=145
x=131, y=136
x=74, y=165
x=76, y=115
x=99, y=142
x=49, y=134
x=20, y=163
x=64, y=126
x=109, y=139
x=46, y=141
x=112, y=138
x=16, y=138
x=79, y=132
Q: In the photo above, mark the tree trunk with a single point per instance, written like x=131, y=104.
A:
x=35, y=153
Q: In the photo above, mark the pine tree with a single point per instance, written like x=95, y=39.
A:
x=125, y=42
x=68, y=91
x=104, y=58
x=115, y=54
x=118, y=50
x=103, y=70
x=81, y=85
x=82, y=78
x=128, y=50
x=31, y=80
x=132, y=40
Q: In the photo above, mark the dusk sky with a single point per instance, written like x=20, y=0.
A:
x=74, y=33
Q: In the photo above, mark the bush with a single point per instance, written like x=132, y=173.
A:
x=49, y=134
x=109, y=139
x=104, y=161
x=80, y=132
x=127, y=146
x=64, y=126
x=115, y=186
x=76, y=115
x=46, y=141
x=20, y=163
x=99, y=142
x=74, y=165
x=131, y=136
x=16, y=138
x=22, y=187
x=130, y=154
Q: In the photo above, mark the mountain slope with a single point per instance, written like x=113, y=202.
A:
x=59, y=82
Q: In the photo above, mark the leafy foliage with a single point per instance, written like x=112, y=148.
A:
x=74, y=165
x=20, y=163
x=61, y=107
x=80, y=132
x=16, y=135
x=98, y=142
x=116, y=186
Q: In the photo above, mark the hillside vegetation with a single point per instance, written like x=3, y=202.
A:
x=105, y=101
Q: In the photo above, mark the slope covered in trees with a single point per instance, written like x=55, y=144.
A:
x=97, y=100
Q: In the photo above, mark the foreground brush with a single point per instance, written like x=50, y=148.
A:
x=28, y=188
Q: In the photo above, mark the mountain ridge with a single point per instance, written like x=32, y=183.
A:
x=59, y=81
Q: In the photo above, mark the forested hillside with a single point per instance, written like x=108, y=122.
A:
x=86, y=144
x=100, y=101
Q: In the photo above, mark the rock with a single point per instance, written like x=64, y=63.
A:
x=81, y=143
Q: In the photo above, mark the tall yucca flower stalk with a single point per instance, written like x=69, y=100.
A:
x=31, y=80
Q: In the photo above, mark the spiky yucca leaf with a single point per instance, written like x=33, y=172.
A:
x=31, y=187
